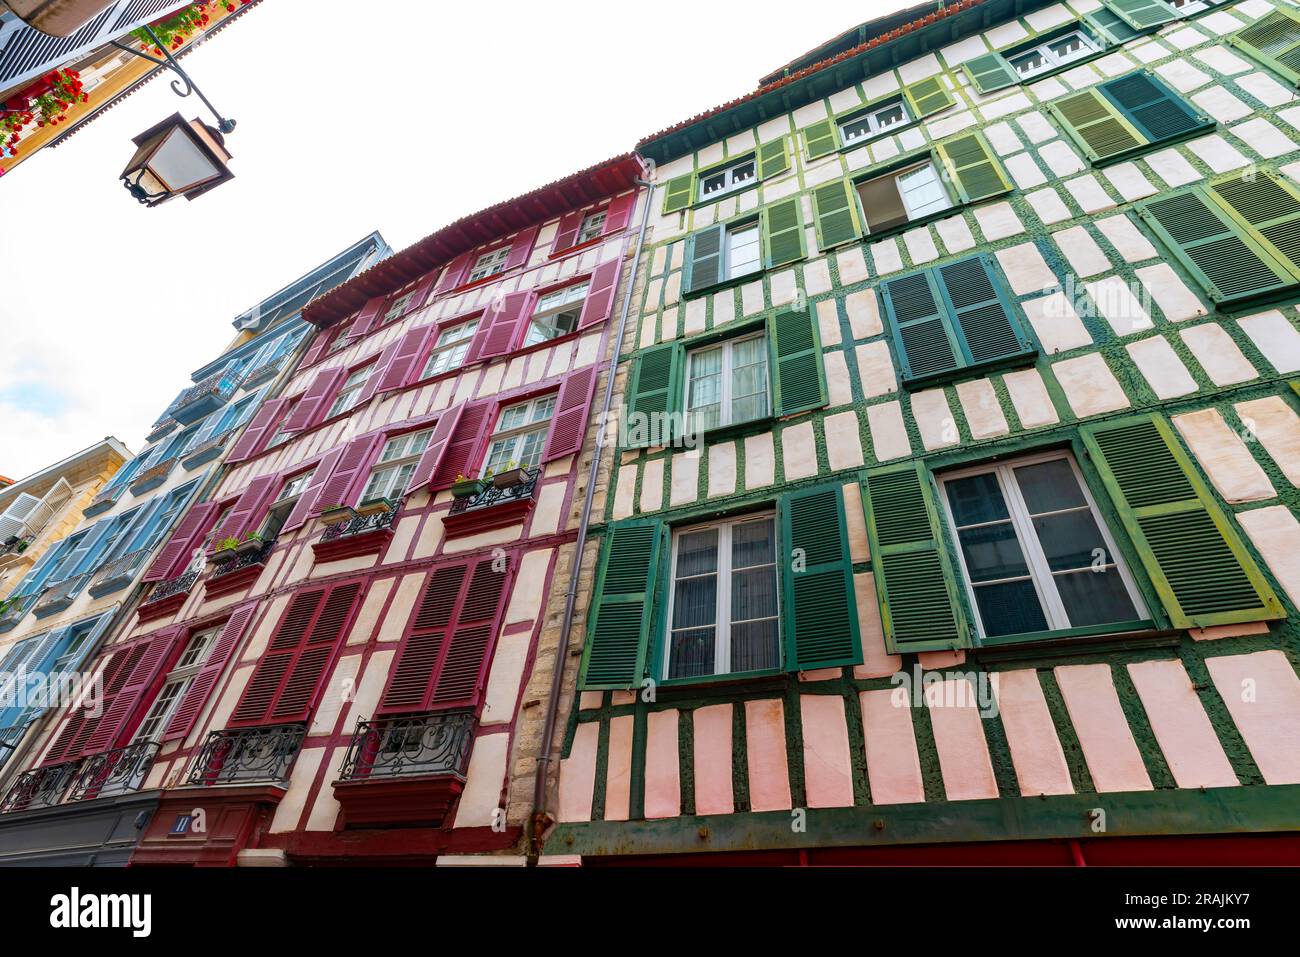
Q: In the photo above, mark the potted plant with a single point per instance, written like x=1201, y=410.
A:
x=374, y=506
x=225, y=550
x=466, y=487
x=510, y=476
x=252, y=543
x=334, y=514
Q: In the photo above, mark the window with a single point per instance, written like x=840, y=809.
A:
x=723, y=252
x=720, y=182
x=284, y=504
x=903, y=196
x=743, y=251
x=556, y=314
x=450, y=348
x=1033, y=548
x=874, y=122
x=158, y=526
x=489, y=264
x=398, y=308
x=1187, y=7
x=350, y=391
x=727, y=384
x=177, y=683
x=1031, y=61
x=723, y=608
x=520, y=436
x=593, y=227
x=400, y=455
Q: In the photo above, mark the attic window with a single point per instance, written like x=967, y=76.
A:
x=728, y=179
x=874, y=122
x=489, y=264
x=1042, y=57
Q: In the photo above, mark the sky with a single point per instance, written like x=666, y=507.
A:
x=396, y=115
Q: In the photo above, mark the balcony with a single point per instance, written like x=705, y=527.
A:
x=164, y=426
x=363, y=535
x=12, y=550
x=493, y=507
x=39, y=787
x=102, y=502
x=204, y=398
x=14, y=610
x=168, y=596
x=235, y=573
x=151, y=478
x=100, y=775
x=264, y=373
x=209, y=450
x=247, y=756
x=406, y=770
x=61, y=595
x=117, y=574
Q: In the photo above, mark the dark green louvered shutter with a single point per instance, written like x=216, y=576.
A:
x=795, y=350
x=836, y=210
x=915, y=584
x=679, y=193
x=820, y=616
x=820, y=139
x=1229, y=264
x=1143, y=14
x=704, y=258
x=990, y=72
x=1270, y=206
x=973, y=167
x=986, y=322
x=782, y=232
x=774, y=158
x=1158, y=113
x=922, y=337
x=928, y=96
x=1111, y=26
x=1274, y=42
x=653, y=396
x=623, y=606
x=1196, y=560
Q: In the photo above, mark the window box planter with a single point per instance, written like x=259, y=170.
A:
x=510, y=478
x=244, y=568
x=223, y=555
x=337, y=514
x=467, y=488
x=363, y=535
x=493, y=506
x=249, y=546
x=375, y=506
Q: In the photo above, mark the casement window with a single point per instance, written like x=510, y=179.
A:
x=556, y=314
x=723, y=609
x=727, y=384
x=1273, y=41
x=160, y=524
x=284, y=504
x=722, y=253
x=1126, y=117
x=593, y=227
x=489, y=264
x=176, y=684
x=450, y=348
x=1045, y=57
x=898, y=198
x=392, y=473
x=397, y=308
x=1234, y=235
x=520, y=435
x=772, y=159
x=350, y=391
x=874, y=122
x=994, y=71
x=919, y=100
x=718, y=183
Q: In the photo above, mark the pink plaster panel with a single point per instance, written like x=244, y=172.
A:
x=876, y=661
x=1262, y=693
x=713, y=752
x=1035, y=750
x=618, y=775
x=1104, y=735
x=827, y=768
x=959, y=739
x=663, y=786
x=578, y=774
x=1181, y=726
x=893, y=765
x=769, y=775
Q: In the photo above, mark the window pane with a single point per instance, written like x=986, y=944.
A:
x=856, y=129
x=1070, y=540
x=922, y=191
x=743, y=253
x=697, y=553
x=992, y=552
x=755, y=646
x=704, y=392
x=749, y=380
x=752, y=543
x=1010, y=608
x=530, y=454
x=1095, y=598
x=753, y=593
x=976, y=499
x=696, y=602
x=890, y=115
x=1049, y=486
x=691, y=654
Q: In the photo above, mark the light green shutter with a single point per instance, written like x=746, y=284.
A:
x=1270, y=206
x=679, y=193
x=820, y=139
x=973, y=166
x=653, y=393
x=1274, y=42
x=928, y=96
x=986, y=322
x=990, y=72
x=705, y=264
x=1194, y=557
x=795, y=350
x=923, y=337
x=820, y=616
x=1143, y=14
x=915, y=584
x=774, y=158
x=783, y=232
x=623, y=606
x=1096, y=126
x=1111, y=26
x=835, y=209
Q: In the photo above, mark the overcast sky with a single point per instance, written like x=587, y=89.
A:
x=396, y=115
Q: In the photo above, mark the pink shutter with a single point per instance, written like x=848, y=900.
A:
x=437, y=447
x=118, y=721
x=572, y=407
x=307, y=502
x=499, y=332
x=245, y=513
x=368, y=317
x=619, y=212
x=454, y=274
x=196, y=695
x=567, y=235
x=316, y=399
x=319, y=343
x=257, y=432
x=465, y=445
x=400, y=368
x=344, y=483
x=175, y=555
x=522, y=247
x=600, y=294
x=422, y=292
x=377, y=372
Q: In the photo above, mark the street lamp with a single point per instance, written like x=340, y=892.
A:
x=176, y=158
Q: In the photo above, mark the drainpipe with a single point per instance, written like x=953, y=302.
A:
x=538, y=820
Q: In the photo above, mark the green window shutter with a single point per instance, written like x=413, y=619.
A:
x=679, y=193
x=973, y=166
x=795, y=351
x=1096, y=126
x=1224, y=258
x=990, y=72
x=1274, y=42
x=653, y=395
x=774, y=158
x=1270, y=206
x=1110, y=26
x=1196, y=560
x=928, y=96
x=820, y=613
x=1157, y=112
x=985, y=318
x=820, y=139
x=704, y=259
x=835, y=209
x=1143, y=14
x=915, y=584
x=622, y=606
x=783, y=232
x=922, y=335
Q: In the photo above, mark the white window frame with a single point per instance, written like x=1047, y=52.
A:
x=491, y=263
x=728, y=365
x=728, y=233
x=1051, y=60
x=570, y=299
x=517, y=434
x=722, y=613
x=398, y=307
x=410, y=450
x=345, y=399
x=441, y=348
x=180, y=677
x=894, y=177
x=1030, y=547
x=593, y=226
x=872, y=116
x=730, y=181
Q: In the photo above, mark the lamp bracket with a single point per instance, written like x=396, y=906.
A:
x=182, y=85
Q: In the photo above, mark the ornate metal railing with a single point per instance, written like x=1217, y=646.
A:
x=62, y=595
x=113, y=772
x=39, y=787
x=496, y=496
x=359, y=526
x=14, y=610
x=247, y=754
x=151, y=478
x=204, y=397
x=180, y=585
x=160, y=428
x=435, y=743
x=267, y=370
x=117, y=573
x=245, y=560
x=207, y=451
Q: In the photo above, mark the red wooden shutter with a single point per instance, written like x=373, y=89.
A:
x=407, y=351
x=175, y=555
x=310, y=498
x=345, y=482
x=437, y=447
x=411, y=680
x=454, y=274
x=315, y=401
x=572, y=407
x=522, y=247
x=500, y=330
x=120, y=718
x=247, y=511
x=378, y=371
x=567, y=235
x=114, y=662
x=258, y=432
x=600, y=293
x=463, y=673
x=619, y=212
x=422, y=292
x=196, y=695
x=319, y=344
x=368, y=317
x=464, y=446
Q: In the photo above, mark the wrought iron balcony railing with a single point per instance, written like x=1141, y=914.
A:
x=265, y=372
x=118, y=573
x=244, y=560
x=206, y=451
x=113, y=772
x=39, y=787
x=245, y=755
x=204, y=397
x=14, y=610
x=151, y=478
x=491, y=495
x=179, y=585
x=359, y=526
x=61, y=595
x=423, y=744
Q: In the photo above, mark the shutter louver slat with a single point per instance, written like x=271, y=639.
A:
x=619, y=213
x=367, y=318
x=463, y=447
x=651, y=396
x=928, y=96
x=704, y=260
x=501, y=327
x=246, y=511
x=783, y=240
x=820, y=139
x=820, y=615
x=1096, y=126
x=623, y=597
x=990, y=73
x=834, y=208
x=1157, y=111
x=315, y=401
x=1143, y=14
x=983, y=317
x=118, y=720
x=601, y=292
x=774, y=158
x=435, y=450
x=1271, y=207
x=454, y=275
x=348, y=475
x=572, y=409
x=1274, y=42
x=175, y=555
x=798, y=381
x=566, y=236
x=258, y=431
x=924, y=341
x=378, y=371
x=974, y=168
x=309, y=501
x=679, y=193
